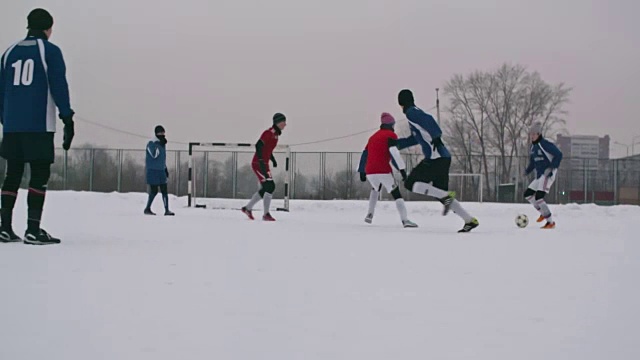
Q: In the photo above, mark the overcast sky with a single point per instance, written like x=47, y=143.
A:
x=216, y=70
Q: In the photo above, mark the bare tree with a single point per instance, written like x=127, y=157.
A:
x=495, y=109
x=536, y=101
x=469, y=113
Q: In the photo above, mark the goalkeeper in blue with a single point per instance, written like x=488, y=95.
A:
x=544, y=158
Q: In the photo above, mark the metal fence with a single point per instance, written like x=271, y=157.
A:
x=326, y=175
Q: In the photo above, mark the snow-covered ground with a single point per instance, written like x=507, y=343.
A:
x=320, y=284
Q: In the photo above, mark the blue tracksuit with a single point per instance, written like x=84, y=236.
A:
x=424, y=129
x=32, y=84
x=543, y=155
x=156, y=163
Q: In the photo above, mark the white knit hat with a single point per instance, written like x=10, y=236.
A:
x=536, y=128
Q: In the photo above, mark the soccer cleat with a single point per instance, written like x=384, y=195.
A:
x=540, y=219
x=549, y=225
x=469, y=226
x=148, y=212
x=40, y=237
x=169, y=213
x=247, y=212
x=409, y=224
x=268, y=217
x=8, y=236
x=369, y=218
x=447, y=201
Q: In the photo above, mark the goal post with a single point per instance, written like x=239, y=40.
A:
x=234, y=149
x=468, y=186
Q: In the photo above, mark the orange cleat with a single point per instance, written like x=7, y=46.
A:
x=540, y=219
x=549, y=225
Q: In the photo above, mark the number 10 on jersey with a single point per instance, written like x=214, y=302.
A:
x=23, y=73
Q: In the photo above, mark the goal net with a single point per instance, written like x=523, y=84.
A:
x=219, y=171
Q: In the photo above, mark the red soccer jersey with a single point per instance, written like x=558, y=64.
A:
x=378, y=155
x=270, y=140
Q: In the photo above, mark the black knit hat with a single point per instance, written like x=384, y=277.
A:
x=39, y=19
x=405, y=98
x=278, y=118
x=159, y=129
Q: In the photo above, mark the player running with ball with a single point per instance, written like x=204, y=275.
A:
x=375, y=167
x=260, y=165
x=544, y=158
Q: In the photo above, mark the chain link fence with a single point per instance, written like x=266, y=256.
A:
x=329, y=175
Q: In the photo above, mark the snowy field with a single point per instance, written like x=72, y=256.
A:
x=320, y=284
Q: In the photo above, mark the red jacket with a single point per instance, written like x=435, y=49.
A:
x=378, y=153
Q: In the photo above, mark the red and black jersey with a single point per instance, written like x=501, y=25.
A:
x=269, y=140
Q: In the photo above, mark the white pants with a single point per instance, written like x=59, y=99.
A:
x=543, y=183
x=377, y=181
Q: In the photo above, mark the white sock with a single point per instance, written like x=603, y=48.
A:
x=428, y=189
x=254, y=200
x=267, y=202
x=545, y=211
x=532, y=199
x=402, y=209
x=373, y=200
x=460, y=211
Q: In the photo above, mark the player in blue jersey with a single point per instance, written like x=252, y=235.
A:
x=156, y=170
x=431, y=176
x=544, y=158
x=32, y=85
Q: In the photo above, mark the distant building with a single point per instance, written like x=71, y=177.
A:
x=628, y=179
x=584, y=150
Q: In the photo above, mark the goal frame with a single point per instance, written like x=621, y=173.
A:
x=480, y=182
x=191, y=183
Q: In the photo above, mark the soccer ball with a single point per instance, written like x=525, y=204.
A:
x=522, y=221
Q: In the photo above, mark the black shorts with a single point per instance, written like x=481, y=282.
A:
x=431, y=171
x=28, y=147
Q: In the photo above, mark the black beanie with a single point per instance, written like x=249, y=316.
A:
x=278, y=118
x=405, y=98
x=159, y=129
x=39, y=19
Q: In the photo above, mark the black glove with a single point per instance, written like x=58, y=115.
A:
x=403, y=173
x=437, y=142
x=363, y=177
x=263, y=168
x=69, y=131
x=275, y=163
x=166, y=172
